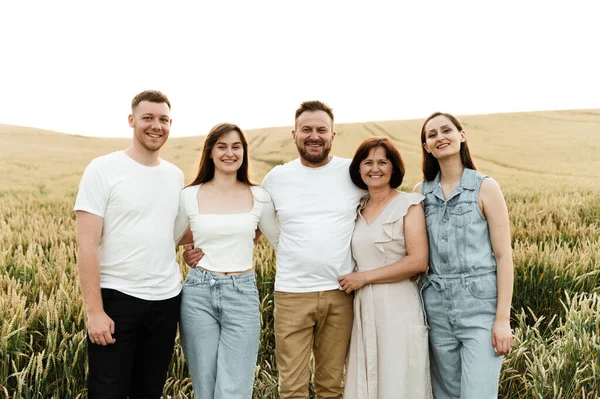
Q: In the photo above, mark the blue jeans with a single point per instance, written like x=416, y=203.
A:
x=461, y=310
x=220, y=330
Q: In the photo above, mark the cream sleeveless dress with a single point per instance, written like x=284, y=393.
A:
x=388, y=357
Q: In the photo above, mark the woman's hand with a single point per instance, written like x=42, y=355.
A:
x=502, y=338
x=353, y=281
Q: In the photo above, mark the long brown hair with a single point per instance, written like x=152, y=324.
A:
x=206, y=170
x=431, y=166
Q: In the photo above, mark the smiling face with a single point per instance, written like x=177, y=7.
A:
x=228, y=153
x=313, y=135
x=151, y=123
x=442, y=138
x=376, y=169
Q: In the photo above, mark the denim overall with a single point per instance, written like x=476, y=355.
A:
x=460, y=293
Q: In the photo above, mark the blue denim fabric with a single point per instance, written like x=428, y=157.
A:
x=460, y=293
x=220, y=329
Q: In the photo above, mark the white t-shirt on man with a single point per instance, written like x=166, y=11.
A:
x=138, y=205
x=316, y=208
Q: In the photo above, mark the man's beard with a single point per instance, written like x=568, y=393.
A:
x=313, y=158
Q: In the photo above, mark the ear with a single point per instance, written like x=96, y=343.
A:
x=463, y=136
x=425, y=148
x=333, y=135
x=294, y=134
x=130, y=119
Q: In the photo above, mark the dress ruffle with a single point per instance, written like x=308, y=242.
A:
x=392, y=227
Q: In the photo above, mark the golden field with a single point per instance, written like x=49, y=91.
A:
x=546, y=162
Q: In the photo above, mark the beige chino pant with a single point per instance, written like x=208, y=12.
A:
x=321, y=321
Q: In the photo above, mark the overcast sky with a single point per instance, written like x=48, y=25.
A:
x=73, y=66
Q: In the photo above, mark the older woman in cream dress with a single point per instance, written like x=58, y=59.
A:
x=388, y=357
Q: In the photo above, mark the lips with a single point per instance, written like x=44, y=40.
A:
x=154, y=135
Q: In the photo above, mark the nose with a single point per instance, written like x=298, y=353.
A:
x=156, y=124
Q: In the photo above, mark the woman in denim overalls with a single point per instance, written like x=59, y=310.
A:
x=467, y=294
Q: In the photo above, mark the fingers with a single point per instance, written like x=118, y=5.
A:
x=188, y=247
x=502, y=345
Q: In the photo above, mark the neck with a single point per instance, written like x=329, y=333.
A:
x=143, y=156
x=380, y=195
x=316, y=165
x=451, y=170
x=224, y=182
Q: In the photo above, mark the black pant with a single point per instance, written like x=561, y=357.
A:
x=135, y=366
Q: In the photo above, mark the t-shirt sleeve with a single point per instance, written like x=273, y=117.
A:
x=181, y=221
x=93, y=191
x=268, y=223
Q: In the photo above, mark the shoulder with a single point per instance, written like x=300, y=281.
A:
x=489, y=187
x=260, y=194
x=418, y=187
x=106, y=160
x=280, y=171
x=171, y=167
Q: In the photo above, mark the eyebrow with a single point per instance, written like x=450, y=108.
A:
x=224, y=143
x=151, y=114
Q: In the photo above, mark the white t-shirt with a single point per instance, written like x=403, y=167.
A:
x=316, y=208
x=138, y=205
x=227, y=240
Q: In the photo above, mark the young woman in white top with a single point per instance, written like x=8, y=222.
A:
x=220, y=320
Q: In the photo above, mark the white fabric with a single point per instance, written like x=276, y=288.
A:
x=316, y=208
x=227, y=240
x=388, y=356
x=138, y=205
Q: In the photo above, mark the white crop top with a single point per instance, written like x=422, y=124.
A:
x=227, y=240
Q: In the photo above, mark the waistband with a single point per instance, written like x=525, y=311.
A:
x=438, y=281
x=206, y=275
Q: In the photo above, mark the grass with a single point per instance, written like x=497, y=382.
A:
x=546, y=163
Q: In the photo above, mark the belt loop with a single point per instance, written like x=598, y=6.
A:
x=463, y=281
x=234, y=280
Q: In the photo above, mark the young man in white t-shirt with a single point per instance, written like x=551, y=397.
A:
x=316, y=204
x=126, y=209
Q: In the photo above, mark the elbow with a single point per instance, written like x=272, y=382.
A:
x=423, y=263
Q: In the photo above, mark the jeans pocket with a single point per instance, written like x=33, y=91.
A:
x=247, y=287
x=484, y=287
x=191, y=280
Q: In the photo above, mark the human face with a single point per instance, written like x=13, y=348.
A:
x=151, y=123
x=442, y=138
x=376, y=169
x=313, y=135
x=228, y=153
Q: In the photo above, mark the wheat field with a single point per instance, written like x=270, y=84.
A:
x=546, y=162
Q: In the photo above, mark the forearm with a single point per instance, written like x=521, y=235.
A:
x=505, y=277
x=89, y=277
x=403, y=269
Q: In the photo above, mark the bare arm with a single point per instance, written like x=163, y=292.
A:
x=89, y=230
x=187, y=237
x=415, y=261
x=494, y=208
